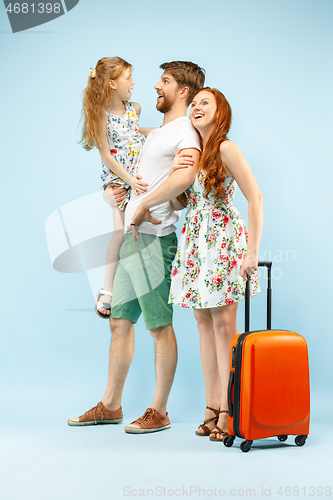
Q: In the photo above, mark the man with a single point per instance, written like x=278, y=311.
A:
x=142, y=279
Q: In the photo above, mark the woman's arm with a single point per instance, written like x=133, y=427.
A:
x=239, y=169
x=178, y=205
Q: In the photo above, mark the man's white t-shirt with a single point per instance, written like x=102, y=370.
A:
x=160, y=148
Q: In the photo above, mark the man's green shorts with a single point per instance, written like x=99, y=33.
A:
x=142, y=280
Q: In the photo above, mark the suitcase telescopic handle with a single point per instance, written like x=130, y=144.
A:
x=269, y=297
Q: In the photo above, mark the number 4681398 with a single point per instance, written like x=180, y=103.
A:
x=25, y=8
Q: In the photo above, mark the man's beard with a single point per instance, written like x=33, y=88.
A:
x=165, y=105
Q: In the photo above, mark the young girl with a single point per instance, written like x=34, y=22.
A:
x=111, y=125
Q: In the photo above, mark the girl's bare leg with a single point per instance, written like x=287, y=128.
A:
x=112, y=255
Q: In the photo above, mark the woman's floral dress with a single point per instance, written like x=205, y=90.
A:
x=210, y=253
x=126, y=143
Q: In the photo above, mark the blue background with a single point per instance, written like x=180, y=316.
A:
x=272, y=61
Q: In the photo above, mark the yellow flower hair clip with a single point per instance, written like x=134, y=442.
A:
x=93, y=72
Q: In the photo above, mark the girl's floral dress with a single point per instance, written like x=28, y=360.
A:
x=126, y=143
x=211, y=250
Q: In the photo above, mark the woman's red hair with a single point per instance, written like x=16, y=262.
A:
x=210, y=161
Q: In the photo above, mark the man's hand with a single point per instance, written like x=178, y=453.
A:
x=141, y=214
x=114, y=195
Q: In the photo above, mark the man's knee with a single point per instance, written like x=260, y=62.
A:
x=120, y=326
x=162, y=331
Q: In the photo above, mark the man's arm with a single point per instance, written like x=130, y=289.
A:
x=176, y=184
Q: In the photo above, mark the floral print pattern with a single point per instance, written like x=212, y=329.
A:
x=126, y=143
x=212, y=246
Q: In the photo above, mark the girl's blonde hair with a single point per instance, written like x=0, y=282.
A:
x=97, y=96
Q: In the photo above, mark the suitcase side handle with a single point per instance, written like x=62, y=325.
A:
x=230, y=384
x=269, y=297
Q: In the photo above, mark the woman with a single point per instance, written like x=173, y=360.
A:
x=215, y=251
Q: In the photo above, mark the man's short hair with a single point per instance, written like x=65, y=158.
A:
x=186, y=74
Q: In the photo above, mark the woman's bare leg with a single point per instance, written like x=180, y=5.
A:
x=209, y=363
x=225, y=328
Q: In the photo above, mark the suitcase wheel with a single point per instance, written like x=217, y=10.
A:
x=229, y=441
x=282, y=437
x=246, y=445
x=300, y=440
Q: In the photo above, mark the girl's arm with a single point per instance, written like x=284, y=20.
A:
x=135, y=182
x=144, y=131
x=137, y=108
x=236, y=166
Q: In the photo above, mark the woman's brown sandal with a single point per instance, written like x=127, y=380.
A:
x=217, y=431
x=206, y=430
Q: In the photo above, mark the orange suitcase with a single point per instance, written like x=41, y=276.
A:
x=268, y=393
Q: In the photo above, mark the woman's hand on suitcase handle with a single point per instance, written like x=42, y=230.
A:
x=250, y=264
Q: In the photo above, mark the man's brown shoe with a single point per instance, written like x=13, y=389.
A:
x=99, y=414
x=151, y=421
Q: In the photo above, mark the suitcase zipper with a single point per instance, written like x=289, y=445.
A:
x=237, y=387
